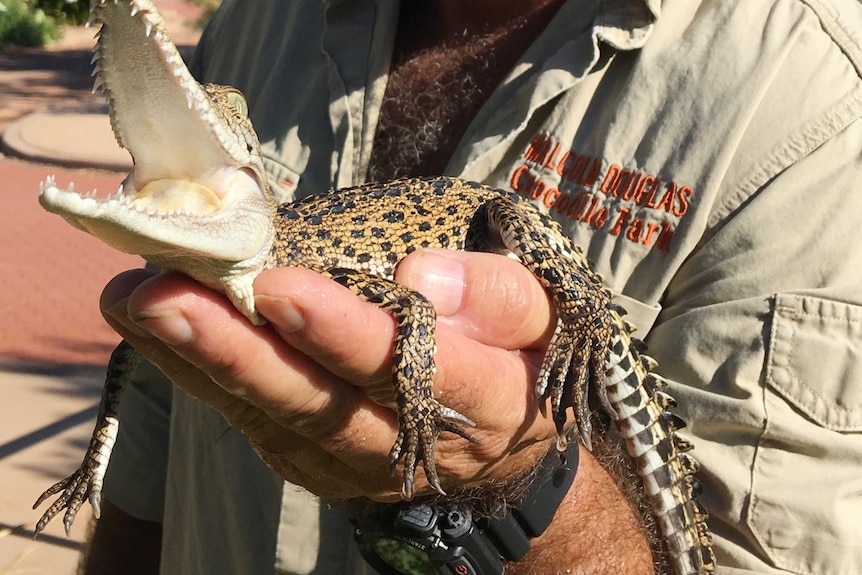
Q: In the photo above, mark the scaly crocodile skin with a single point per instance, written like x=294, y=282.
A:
x=356, y=237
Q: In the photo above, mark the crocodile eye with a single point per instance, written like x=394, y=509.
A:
x=237, y=100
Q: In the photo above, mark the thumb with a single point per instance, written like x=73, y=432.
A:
x=490, y=298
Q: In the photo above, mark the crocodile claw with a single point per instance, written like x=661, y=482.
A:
x=416, y=442
x=74, y=490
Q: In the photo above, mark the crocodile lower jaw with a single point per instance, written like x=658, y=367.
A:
x=170, y=215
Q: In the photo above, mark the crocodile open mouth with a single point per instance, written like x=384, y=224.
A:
x=197, y=174
x=201, y=197
x=169, y=212
x=175, y=197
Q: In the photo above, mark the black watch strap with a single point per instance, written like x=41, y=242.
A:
x=534, y=513
x=444, y=538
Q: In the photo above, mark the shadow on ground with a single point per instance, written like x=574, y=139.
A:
x=55, y=384
x=31, y=78
x=62, y=68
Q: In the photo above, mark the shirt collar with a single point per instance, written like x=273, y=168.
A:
x=627, y=24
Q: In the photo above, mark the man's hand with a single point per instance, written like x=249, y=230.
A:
x=311, y=388
x=301, y=388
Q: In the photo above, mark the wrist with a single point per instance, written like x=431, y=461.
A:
x=595, y=528
x=592, y=523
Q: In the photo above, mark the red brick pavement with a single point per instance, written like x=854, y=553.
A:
x=53, y=341
x=51, y=274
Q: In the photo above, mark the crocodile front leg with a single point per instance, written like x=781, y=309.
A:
x=421, y=418
x=578, y=349
x=87, y=481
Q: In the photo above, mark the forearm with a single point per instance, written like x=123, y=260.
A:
x=595, y=530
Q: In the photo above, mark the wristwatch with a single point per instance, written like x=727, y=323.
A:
x=447, y=539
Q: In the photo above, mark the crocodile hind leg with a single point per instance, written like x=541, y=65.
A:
x=421, y=418
x=578, y=348
x=86, y=482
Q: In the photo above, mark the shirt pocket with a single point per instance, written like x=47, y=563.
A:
x=805, y=507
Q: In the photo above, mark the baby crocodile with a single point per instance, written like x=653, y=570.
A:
x=197, y=201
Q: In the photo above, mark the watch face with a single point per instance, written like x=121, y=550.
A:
x=404, y=558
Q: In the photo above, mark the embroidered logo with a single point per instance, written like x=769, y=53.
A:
x=627, y=203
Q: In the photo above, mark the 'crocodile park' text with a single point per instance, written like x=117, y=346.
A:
x=606, y=199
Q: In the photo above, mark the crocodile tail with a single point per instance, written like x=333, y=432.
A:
x=660, y=455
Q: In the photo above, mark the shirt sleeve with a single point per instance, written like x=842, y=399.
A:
x=135, y=480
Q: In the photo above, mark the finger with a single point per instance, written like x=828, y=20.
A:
x=489, y=297
x=348, y=456
x=199, y=337
x=329, y=324
x=354, y=339
x=114, y=305
x=489, y=385
x=492, y=386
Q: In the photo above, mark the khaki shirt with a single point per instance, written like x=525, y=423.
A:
x=705, y=154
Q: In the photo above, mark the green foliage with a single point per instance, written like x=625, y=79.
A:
x=24, y=24
x=73, y=12
x=37, y=22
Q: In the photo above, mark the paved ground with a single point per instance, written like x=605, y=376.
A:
x=53, y=341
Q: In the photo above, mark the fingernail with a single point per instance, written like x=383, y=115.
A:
x=119, y=310
x=439, y=278
x=169, y=325
x=281, y=312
